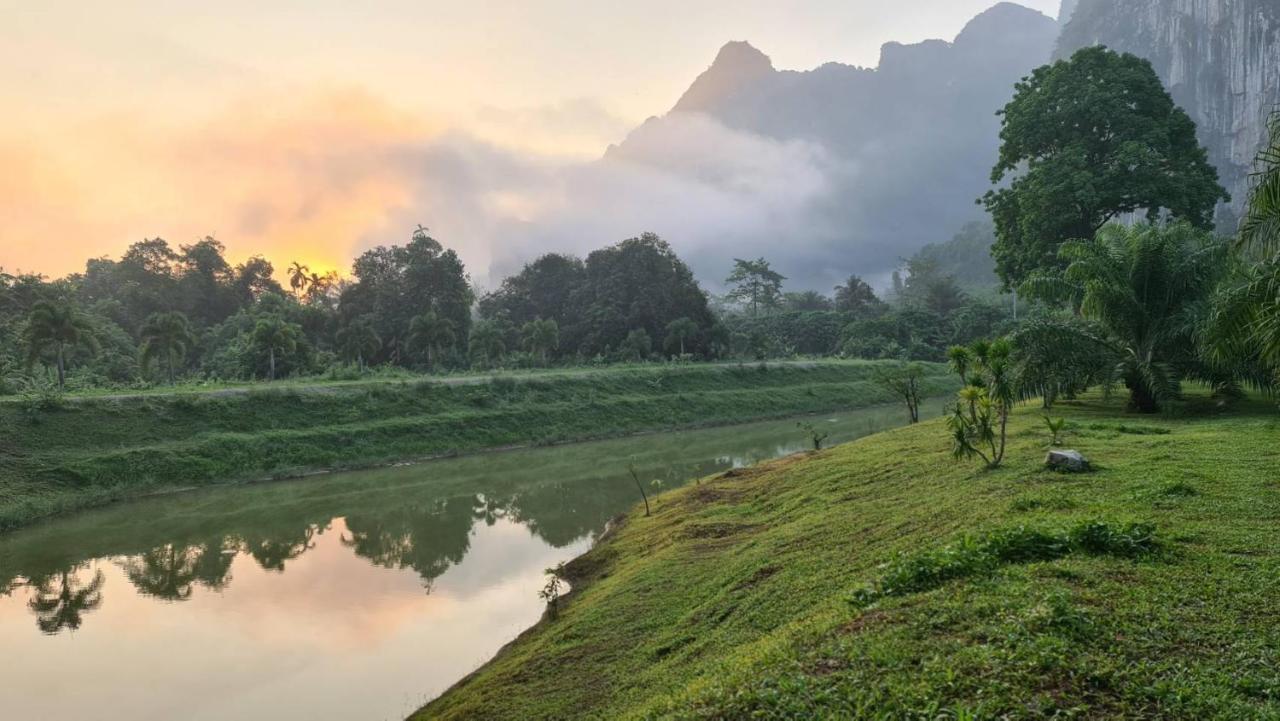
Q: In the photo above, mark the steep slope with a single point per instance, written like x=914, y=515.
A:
x=1220, y=60
x=902, y=150
x=736, y=598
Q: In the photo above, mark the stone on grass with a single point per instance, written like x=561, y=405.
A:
x=1069, y=461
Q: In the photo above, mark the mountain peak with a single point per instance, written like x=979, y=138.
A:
x=738, y=65
x=997, y=23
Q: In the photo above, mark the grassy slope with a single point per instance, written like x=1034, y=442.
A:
x=95, y=450
x=732, y=601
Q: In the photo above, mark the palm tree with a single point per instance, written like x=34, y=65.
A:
x=541, y=337
x=358, y=340
x=273, y=334
x=487, y=344
x=167, y=335
x=298, y=277
x=61, y=604
x=1245, y=332
x=679, y=331
x=1143, y=285
x=432, y=333
x=58, y=325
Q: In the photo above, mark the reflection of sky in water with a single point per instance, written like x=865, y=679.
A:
x=344, y=596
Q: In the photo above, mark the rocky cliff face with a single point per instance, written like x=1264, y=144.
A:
x=1220, y=60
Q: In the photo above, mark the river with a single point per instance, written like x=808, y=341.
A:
x=347, y=596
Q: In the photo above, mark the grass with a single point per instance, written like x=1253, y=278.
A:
x=71, y=455
x=882, y=579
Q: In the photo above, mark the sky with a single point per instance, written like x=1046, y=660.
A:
x=313, y=130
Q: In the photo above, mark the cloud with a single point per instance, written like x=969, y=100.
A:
x=323, y=176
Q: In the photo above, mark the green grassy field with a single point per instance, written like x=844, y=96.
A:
x=883, y=579
x=91, y=450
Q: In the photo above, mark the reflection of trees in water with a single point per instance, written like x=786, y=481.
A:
x=272, y=551
x=427, y=538
x=170, y=571
x=59, y=600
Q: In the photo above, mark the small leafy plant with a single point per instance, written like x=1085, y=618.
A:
x=550, y=593
x=980, y=417
x=1055, y=427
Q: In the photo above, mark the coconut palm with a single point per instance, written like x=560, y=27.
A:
x=541, y=337
x=168, y=336
x=61, y=602
x=358, y=340
x=487, y=344
x=58, y=326
x=298, y=277
x=1144, y=285
x=432, y=333
x=679, y=331
x=275, y=335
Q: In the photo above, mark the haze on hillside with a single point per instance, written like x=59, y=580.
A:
x=314, y=135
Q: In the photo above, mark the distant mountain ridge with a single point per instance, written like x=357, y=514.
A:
x=913, y=139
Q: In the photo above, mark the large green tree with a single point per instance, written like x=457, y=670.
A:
x=433, y=334
x=540, y=337
x=276, y=336
x=357, y=340
x=756, y=284
x=1083, y=142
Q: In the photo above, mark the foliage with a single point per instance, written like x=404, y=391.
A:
x=275, y=336
x=550, y=591
x=541, y=337
x=979, y=420
x=357, y=341
x=487, y=345
x=755, y=284
x=679, y=332
x=904, y=381
x=168, y=336
x=431, y=333
x=1147, y=287
x=637, y=345
x=1060, y=355
x=1085, y=141
x=856, y=296
x=57, y=327
x=1055, y=427
x=815, y=435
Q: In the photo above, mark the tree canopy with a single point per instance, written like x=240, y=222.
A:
x=1085, y=141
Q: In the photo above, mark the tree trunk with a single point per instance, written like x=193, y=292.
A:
x=271, y=363
x=1141, y=400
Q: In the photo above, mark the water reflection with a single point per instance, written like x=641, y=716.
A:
x=362, y=570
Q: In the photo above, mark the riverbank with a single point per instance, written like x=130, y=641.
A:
x=68, y=456
x=1146, y=589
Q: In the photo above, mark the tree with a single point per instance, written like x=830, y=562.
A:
x=60, y=326
x=637, y=345
x=298, y=277
x=979, y=420
x=431, y=333
x=1082, y=142
x=679, y=331
x=1145, y=286
x=1245, y=328
x=486, y=343
x=541, y=337
x=809, y=300
x=544, y=289
x=755, y=283
x=168, y=336
x=903, y=381
x=857, y=297
x=358, y=340
x=275, y=335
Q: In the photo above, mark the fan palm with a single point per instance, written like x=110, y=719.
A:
x=1144, y=285
x=166, y=335
x=541, y=337
x=60, y=326
x=432, y=333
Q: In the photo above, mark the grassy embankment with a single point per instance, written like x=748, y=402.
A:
x=747, y=596
x=89, y=451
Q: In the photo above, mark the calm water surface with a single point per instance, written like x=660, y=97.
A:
x=350, y=596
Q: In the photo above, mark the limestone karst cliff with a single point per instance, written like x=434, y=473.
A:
x=1220, y=60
